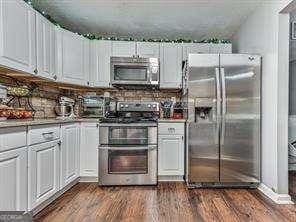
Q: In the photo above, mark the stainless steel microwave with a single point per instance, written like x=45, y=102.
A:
x=135, y=71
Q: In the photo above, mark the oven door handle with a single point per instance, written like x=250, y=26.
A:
x=149, y=147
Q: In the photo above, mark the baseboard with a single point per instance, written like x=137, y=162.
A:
x=88, y=179
x=170, y=178
x=277, y=198
x=54, y=197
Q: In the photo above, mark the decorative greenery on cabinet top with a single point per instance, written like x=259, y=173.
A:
x=114, y=38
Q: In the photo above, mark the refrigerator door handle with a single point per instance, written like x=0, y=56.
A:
x=218, y=104
x=223, y=88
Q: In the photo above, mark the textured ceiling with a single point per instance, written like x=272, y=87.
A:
x=171, y=19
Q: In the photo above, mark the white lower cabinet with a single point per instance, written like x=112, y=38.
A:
x=13, y=180
x=89, y=150
x=69, y=153
x=43, y=172
x=171, y=149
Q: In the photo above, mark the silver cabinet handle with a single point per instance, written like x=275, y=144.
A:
x=48, y=135
x=171, y=130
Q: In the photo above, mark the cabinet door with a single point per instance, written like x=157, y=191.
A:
x=43, y=172
x=17, y=36
x=73, y=57
x=171, y=65
x=124, y=49
x=148, y=49
x=13, y=180
x=170, y=155
x=195, y=48
x=45, y=37
x=100, y=63
x=89, y=151
x=220, y=48
x=69, y=154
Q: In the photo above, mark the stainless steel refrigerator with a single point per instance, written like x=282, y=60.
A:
x=223, y=143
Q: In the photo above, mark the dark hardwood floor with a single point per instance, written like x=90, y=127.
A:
x=165, y=202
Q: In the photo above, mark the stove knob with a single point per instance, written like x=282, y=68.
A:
x=154, y=106
x=126, y=106
x=121, y=106
x=149, y=105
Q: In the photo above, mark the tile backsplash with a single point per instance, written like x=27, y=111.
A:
x=44, y=98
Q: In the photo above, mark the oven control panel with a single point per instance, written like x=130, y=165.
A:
x=138, y=107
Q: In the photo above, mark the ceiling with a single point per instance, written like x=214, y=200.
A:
x=188, y=19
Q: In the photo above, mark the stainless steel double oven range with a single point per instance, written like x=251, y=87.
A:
x=128, y=145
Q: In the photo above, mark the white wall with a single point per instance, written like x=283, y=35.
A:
x=260, y=34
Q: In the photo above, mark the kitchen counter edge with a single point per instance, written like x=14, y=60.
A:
x=32, y=122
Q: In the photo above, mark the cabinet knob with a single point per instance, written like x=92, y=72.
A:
x=55, y=77
x=60, y=143
x=36, y=71
x=88, y=83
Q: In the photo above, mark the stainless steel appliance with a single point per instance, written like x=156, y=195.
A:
x=223, y=93
x=128, y=145
x=135, y=72
x=65, y=109
x=93, y=105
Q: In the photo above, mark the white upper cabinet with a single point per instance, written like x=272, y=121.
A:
x=195, y=48
x=17, y=36
x=123, y=48
x=170, y=65
x=89, y=152
x=45, y=37
x=69, y=153
x=100, y=54
x=221, y=48
x=148, y=49
x=73, y=57
x=13, y=180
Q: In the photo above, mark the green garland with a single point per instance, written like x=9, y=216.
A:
x=113, y=38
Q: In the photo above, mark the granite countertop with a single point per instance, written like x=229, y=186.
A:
x=31, y=122
x=172, y=120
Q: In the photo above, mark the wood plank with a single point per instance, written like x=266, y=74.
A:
x=168, y=201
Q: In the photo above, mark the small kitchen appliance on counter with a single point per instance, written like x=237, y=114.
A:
x=65, y=109
x=128, y=145
x=93, y=106
x=3, y=98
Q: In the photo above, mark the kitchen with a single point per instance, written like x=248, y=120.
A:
x=89, y=118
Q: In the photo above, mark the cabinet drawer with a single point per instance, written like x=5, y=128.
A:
x=171, y=128
x=12, y=137
x=44, y=133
